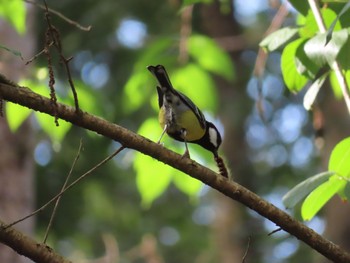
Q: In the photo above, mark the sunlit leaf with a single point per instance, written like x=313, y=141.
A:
x=320, y=53
x=14, y=11
x=293, y=80
x=211, y=56
x=300, y=191
x=335, y=84
x=339, y=159
x=47, y=123
x=311, y=94
x=16, y=115
x=196, y=84
x=158, y=52
x=309, y=27
x=320, y=196
x=278, y=38
x=187, y=184
x=305, y=66
x=152, y=176
x=136, y=90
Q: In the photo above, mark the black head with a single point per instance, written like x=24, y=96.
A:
x=211, y=139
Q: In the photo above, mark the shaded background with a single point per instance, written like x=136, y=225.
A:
x=108, y=215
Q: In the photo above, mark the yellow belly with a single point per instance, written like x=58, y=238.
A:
x=187, y=121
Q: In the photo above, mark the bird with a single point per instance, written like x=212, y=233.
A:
x=181, y=119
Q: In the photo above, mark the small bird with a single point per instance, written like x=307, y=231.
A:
x=180, y=118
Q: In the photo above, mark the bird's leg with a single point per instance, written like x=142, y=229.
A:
x=161, y=136
x=183, y=135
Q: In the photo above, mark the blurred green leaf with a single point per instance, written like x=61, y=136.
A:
x=335, y=84
x=191, y=2
x=278, y=38
x=47, y=123
x=152, y=177
x=339, y=159
x=159, y=52
x=187, y=184
x=16, y=115
x=211, y=56
x=301, y=190
x=137, y=90
x=198, y=85
x=320, y=196
x=14, y=11
x=294, y=81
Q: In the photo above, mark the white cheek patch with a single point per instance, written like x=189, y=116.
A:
x=213, y=136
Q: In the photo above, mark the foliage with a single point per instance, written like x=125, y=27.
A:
x=310, y=58
x=17, y=7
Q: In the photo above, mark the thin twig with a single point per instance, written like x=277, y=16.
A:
x=68, y=187
x=38, y=54
x=274, y=231
x=246, y=251
x=335, y=65
x=55, y=37
x=63, y=187
x=69, y=21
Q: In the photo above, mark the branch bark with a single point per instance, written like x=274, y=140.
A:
x=26, y=246
x=21, y=95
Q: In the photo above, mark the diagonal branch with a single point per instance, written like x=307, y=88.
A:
x=25, y=97
x=28, y=247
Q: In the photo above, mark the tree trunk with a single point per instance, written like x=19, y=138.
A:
x=229, y=226
x=16, y=162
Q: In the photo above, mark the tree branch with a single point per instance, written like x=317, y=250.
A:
x=26, y=246
x=25, y=97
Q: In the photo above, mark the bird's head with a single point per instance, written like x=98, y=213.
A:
x=211, y=139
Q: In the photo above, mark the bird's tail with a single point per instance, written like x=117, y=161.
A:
x=162, y=76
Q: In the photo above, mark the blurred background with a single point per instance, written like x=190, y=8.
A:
x=134, y=209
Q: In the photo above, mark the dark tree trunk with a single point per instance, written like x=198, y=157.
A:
x=16, y=162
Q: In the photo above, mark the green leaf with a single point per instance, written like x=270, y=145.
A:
x=198, y=85
x=293, y=80
x=278, y=38
x=309, y=26
x=300, y=6
x=47, y=123
x=339, y=159
x=305, y=66
x=311, y=94
x=152, y=176
x=137, y=90
x=14, y=11
x=191, y=2
x=14, y=52
x=335, y=84
x=319, y=197
x=320, y=53
x=301, y=190
x=16, y=115
x=332, y=26
x=187, y=184
x=211, y=56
